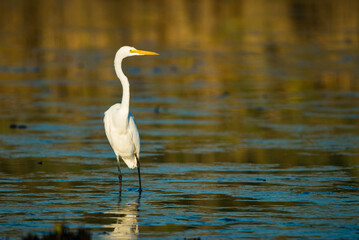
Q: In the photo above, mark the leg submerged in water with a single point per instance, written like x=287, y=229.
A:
x=119, y=173
x=139, y=175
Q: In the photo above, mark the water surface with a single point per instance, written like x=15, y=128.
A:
x=249, y=125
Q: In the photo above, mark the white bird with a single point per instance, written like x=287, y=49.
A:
x=120, y=126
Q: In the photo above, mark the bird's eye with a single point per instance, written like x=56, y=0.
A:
x=132, y=51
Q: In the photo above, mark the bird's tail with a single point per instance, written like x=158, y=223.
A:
x=130, y=162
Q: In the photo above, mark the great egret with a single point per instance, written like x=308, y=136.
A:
x=120, y=126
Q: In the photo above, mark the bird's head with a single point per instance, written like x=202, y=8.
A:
x=126, y=51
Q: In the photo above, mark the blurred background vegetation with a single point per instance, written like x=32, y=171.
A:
x=259, y=68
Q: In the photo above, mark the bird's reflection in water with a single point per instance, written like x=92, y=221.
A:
x=126, y=226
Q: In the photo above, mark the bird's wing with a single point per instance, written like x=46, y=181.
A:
x=107, y=123
x=135, y=135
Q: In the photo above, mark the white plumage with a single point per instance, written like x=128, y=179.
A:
x=120, y=126
x=122, y=133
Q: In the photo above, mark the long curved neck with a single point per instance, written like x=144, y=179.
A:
x=125, y=104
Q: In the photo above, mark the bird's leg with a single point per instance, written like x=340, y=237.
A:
x=139, y=175
x=119, y=174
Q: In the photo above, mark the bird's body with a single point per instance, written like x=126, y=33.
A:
x=120, y=126
x=122, y=133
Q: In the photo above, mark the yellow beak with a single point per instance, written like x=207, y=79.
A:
x=143, y=52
